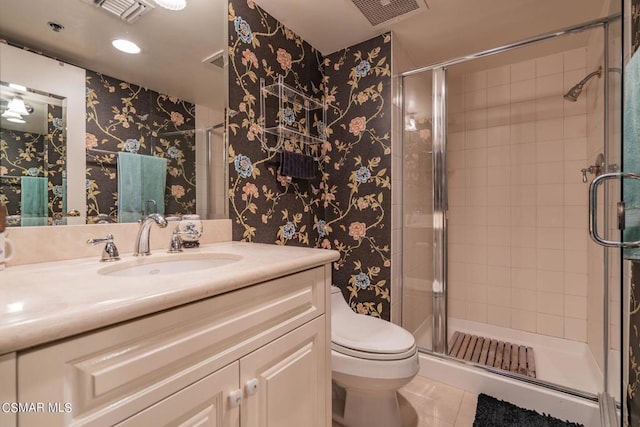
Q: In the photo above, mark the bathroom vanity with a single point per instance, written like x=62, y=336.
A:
x=245, y=343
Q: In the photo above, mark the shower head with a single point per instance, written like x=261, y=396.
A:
x=573, y=93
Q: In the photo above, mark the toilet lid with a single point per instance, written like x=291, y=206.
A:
x=373, y=356
x=368, y=334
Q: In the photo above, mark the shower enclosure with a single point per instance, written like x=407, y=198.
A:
x=498, y=152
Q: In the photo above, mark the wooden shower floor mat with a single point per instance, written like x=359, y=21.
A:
x=497, y=354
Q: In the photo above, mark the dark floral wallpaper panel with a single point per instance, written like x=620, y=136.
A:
x=346, y=206
x=122, y=116
x=266, y=207
x=635, y=25
x=358, y=198
x=633, y=385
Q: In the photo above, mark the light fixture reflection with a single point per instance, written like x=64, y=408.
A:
x=410, y=124
x=18, y=87
x=16, y=120
x=17, y=106
x=172, y=4
x=11, y=114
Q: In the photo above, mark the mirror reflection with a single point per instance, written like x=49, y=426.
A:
x=148, y=136
x=32, y=155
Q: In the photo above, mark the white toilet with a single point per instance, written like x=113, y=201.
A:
x=371, y=359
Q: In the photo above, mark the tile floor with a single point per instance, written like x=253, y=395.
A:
x=427, y=403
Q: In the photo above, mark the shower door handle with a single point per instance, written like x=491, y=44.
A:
x=593, y=211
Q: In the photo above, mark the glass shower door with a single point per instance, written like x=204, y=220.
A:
x=417, y=207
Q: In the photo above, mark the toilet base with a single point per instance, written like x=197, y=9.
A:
x=366, y=408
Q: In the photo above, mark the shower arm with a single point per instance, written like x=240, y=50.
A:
x=598, y=72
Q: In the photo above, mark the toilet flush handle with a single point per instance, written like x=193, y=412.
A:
x=251, y=386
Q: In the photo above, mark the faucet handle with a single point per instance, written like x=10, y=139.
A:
x=110, y=251
x=176, y=242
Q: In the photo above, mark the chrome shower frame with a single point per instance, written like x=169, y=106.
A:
x=439, y=287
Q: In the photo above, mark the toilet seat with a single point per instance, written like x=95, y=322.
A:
x=366, y=355
x=367, y=337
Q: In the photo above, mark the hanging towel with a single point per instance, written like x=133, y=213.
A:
x=297, y=165
x=33, y=200
x=64, y=194
x=631, y=153
x=140, y=178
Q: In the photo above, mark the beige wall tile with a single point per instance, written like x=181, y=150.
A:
x=575, y=58
x=498, y=76
x=548, y=324
x=575, y=306
x=575, y=329
x=523, y=70
x=550, y=281
x=550, y=64
x=550, y=303
x=499, y=315
x=523, y=320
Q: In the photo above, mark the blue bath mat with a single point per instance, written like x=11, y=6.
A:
x=492, y=412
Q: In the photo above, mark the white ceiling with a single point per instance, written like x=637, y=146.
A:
x=173, y=43
x=448, y=29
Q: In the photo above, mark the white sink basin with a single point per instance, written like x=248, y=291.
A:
x=170, y=264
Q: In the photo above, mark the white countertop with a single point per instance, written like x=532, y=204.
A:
x=40, y=303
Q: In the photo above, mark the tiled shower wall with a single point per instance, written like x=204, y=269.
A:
x=517, y=206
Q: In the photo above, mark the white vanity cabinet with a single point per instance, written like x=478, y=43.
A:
x=256, y=356
x=8, y=388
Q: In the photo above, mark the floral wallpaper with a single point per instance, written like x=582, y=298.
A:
x=633, y=385
x=266, y=207
x=32, y=154
x=358, y=199
x=125, y=117
x=635, y=25
x=346, y=206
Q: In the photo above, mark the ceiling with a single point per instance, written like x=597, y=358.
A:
x=173, y=44
x=446, y=29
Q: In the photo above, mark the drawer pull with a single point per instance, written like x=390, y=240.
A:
x=251, y=386
x=235, y=398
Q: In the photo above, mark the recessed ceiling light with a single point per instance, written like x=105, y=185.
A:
x=125, y=46
x=172, y=4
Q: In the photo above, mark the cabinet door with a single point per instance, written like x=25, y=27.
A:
x=8, y=389
x=291, y=377
x=204, y=403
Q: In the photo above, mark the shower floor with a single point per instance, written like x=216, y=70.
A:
x=502, y=355
x=564, y=362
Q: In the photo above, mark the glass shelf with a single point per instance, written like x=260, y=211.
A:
x=291, y=95
x=290, y=133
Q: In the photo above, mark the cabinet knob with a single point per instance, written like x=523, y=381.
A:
x=251, y=386
x=235, y=398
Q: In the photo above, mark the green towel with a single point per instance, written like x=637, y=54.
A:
x=33, y=200
x=64, y=194
x=140, y=178
x=631, y=154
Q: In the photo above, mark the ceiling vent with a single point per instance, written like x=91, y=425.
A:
x=380, y=12
x=127, y=10
x=216, y=59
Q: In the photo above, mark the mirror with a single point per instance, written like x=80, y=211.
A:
x=167, y=102
x=32, y=155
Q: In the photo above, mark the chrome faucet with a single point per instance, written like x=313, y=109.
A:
x=142, y=239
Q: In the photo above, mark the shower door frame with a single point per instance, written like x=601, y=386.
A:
x=440, y=203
